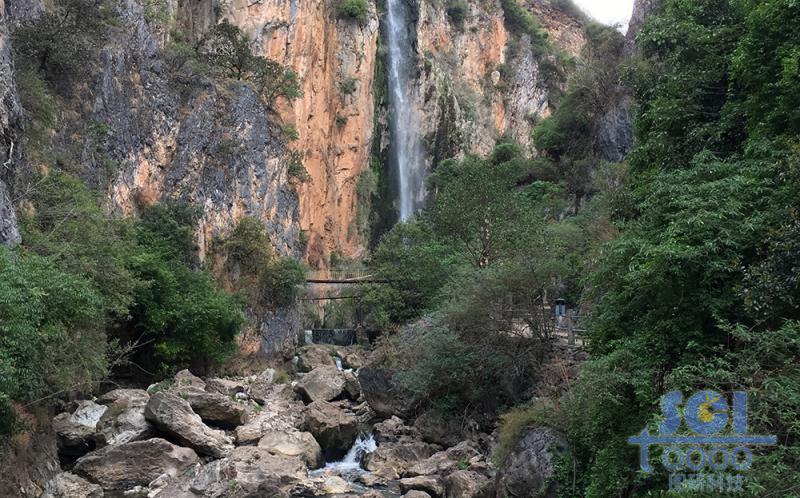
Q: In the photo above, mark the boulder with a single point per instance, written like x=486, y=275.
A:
x=436, y=429
x=467, y=484
x=246, y=471
x=261, y=386
x=124, y=420
x=314, y=356
x=334, y=430
x=123, y=466
x=173, y=416
x=392, y=429
x=334, y=485
x=75, y=431
x=429, y=484
x=185, y=379
x=280, y=413
x=214, y=408
x=68, y=485
x=352, y=357
x=321, y=384
x=445, y=461
x=293, y=444
x=351, y=386
x=395, y=458
x=415, y=493
x=384, y=393
x=372, y=494
x=226, y=387
x=527, y=468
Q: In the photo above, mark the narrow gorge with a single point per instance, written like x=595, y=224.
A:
x=398, y=248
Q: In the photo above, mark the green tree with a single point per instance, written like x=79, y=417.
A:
x=64, y=38
x=228, y=50
x=51, y=332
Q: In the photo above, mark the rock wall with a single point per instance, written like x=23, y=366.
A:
x=335, y=126
x=9, y=143
x=470, y=94
x=478, y=81
x=211, y=144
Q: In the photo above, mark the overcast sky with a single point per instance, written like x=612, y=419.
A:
x=608, y=11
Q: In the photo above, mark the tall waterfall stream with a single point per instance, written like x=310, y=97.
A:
x=408, y=152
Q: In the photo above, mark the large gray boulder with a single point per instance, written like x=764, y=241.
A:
x=227, y=387
x=527, y=468
x=334, y=430
x=293, y=444
x=123, y=466
x=247, y=471
x=215, y=408
x=467, y=484
x=435, y=428
x=429, y=484
x=68, y=485
x=261, y=386
x=384, y=393
x=75, y=431
x=394, y=459
x=392, y=429
x=280, y=412
x=322, y=384
x=173, y=416
x=314, y=356
x=124, y=420
x=444, y=462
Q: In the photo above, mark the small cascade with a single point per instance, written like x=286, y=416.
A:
x=309, y=337
x=349, y=467
x=338, y=362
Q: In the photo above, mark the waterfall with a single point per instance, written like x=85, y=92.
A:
x=408, y=155
x=351, y=463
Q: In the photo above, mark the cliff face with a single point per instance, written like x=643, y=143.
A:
x=217, y=146
x=470, y=93
x=9, y=142
x=473, y=89
x=335, y=123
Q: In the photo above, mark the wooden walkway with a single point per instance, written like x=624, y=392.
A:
x=343, y=277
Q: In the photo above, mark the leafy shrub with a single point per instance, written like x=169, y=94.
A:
x=522, y=22
x=228, y=50
x=357, y=10
x=296, y=170
x=341, y=120
x=290, y=130
x=265, y=278
x=348, y=86
x=51, y=331
x=185, y=319
x=457, y=12
x=63, y=40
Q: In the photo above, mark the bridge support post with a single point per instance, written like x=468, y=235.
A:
x=570, y=328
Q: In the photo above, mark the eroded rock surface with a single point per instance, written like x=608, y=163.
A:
x=173, y=416
x=123, y=466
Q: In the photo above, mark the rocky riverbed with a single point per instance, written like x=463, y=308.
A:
x=310, y=433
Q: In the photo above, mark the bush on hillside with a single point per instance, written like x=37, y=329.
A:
x=266, y=279
x=357, y=10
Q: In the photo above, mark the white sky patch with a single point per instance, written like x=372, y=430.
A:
x=608, y=11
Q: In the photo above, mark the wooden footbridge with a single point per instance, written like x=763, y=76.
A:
x=345, y=277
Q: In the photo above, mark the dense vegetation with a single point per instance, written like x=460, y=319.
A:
x=685, y=256
x=88, y=293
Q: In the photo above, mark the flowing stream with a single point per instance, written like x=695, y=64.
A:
x=408, y=154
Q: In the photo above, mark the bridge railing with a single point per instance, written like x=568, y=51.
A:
x=343, y=276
